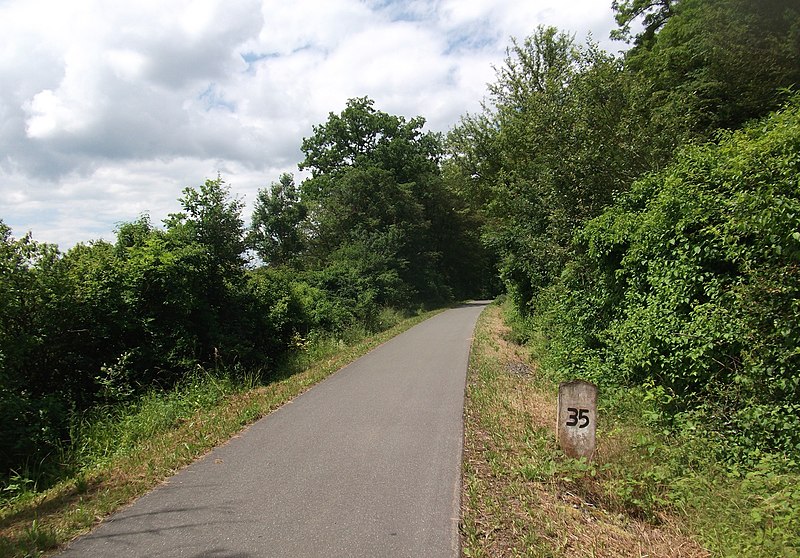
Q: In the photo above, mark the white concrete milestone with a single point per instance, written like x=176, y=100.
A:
x=576, y=426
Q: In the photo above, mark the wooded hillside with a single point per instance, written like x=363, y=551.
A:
x=645, y=211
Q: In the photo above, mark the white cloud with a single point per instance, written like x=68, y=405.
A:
x=110, y=109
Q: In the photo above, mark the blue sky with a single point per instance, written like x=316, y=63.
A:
x=109, y=110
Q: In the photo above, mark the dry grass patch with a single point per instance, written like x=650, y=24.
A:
x=521, y=496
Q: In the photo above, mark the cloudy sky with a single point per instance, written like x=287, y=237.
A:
x=109, y=109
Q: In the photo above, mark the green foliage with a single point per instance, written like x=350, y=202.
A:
x=273, y=315
x=364, y=137
x=103, y=323
x=379, y=210
x=276, y=233
x=718, y=63
x=558, y=142
x=627, y=269
x=645, y=214
x=653, y=13
x=770, y=500
x=648, y=249
x=692, y=290
x=569, y=128
x=213, y=220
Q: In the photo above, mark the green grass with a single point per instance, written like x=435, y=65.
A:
x=756, y=513
x=119, y=453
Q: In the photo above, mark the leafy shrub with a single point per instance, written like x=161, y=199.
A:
x=689, y=284
x=33, y=433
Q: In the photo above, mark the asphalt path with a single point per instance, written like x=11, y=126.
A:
x=367, y=463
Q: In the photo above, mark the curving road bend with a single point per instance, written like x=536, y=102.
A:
x=367, y=463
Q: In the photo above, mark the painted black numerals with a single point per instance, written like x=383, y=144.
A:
x=578, y=415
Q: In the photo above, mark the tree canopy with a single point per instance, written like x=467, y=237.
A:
x=276, y=232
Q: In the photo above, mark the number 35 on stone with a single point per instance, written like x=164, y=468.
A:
x=577, y=417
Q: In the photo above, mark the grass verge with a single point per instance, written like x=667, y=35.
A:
x=133, y=451
x=522, y=497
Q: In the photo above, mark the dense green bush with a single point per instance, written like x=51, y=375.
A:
x=34, y=382
x=689, y=284
x=105, y=323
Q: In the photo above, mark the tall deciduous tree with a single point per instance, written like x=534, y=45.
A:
x=208, y=239
x=276, y=232
x=363, y=136
x=555, y=144
x=376, y=182
x=653, y=14
x=213, y=219
x=716, y=64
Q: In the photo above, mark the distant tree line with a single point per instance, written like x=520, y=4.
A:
x=374, y=227
x=645, y=210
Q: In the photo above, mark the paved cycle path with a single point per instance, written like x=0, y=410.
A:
x=367, y=463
